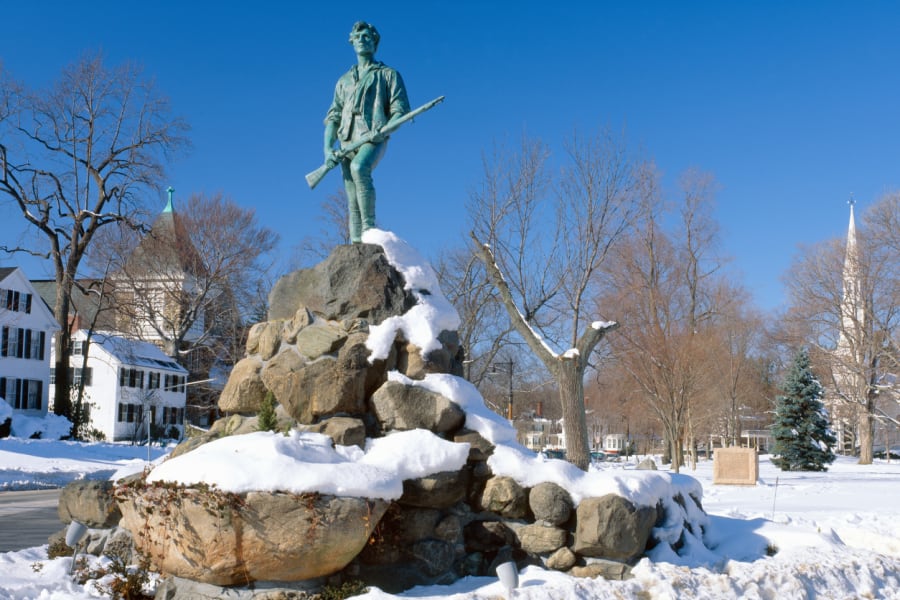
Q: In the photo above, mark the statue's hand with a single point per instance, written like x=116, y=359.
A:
x=331, y=158
x=378, y=137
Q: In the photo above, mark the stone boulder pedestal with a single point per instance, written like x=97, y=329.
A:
x=234, y=539
x=355, y=281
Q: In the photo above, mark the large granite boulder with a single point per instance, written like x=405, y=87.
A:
x=229, y=539
x=403, y=407
x=440, y=490
x=89, y=502
x=264, y=338
x=324, y=387
x=355, y=281
x=550, y=503
x=612, y=527
x=538, y=538
x=345, y=431
x=505, y=497
x=245, y=390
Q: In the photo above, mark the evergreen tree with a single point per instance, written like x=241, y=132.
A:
x=803, y=440
x=268, y=421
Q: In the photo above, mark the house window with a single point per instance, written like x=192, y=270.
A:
x=173, y=415
x=22, y=343
x=33, y=393
x=175, y=383
x=152, y=380
x=79, y=376
x=12, y=300
x=133, y=378
x=16, y=301
x=36, y=347
x=130, y=413
x=10, y=345
x=23, y=394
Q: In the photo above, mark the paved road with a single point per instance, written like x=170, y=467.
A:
x=27, y=518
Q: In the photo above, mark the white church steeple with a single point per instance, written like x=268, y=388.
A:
x=852, y=301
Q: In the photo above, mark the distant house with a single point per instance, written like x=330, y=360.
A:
x=615, y=444
x=127, y=385
x=27, y=328
x=538, y=433
x=150, y=296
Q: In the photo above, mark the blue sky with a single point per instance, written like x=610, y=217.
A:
x=792, y=106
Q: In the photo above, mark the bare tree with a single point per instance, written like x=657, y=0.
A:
x=544, y=241
x=75, y=158
x=189, y=283
x=741, y=385
x=670, y=297
x=847, y=295
x=484, y=326
x=333, y=231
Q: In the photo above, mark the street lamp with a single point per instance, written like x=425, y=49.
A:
x=508, y=365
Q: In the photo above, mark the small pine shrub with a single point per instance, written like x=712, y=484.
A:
x=268, y=421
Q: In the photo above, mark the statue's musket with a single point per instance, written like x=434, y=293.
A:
x=316, y=176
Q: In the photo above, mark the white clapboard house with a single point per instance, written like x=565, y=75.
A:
x=28, y=326
x=128, y=384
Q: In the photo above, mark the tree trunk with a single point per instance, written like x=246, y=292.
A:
x=692, y=441
x=677, y=453
x=62, y=401
x=570, y=377
x=866, y=440
x=567, y=369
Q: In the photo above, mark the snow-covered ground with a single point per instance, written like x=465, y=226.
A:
x=835, y=535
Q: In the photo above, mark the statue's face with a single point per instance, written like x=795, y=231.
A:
x=363, y=42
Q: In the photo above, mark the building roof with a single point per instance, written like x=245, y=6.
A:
x=6, y=272
x=84, y=305
x=132, y=352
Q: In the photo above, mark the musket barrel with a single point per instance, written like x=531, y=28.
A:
x=313, y=178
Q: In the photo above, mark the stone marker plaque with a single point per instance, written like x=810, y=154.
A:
x=735, y=466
